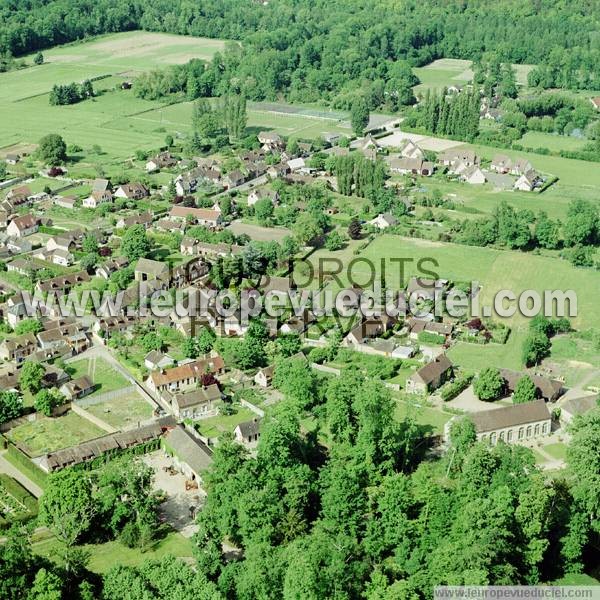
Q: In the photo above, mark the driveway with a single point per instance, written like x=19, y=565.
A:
x=176, y=508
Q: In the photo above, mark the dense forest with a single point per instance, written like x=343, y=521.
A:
x=323, y=50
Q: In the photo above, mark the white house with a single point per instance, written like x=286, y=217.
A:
x=384, y=220
x=260, y=194
x=473, y=175
x=101, y=194
x=23, y=226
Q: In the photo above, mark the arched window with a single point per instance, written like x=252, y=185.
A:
x=537, y=429
x=509, y=436
x=501, y=436
x=545, y=428
x=529, y=431
x=493, y=438
x=521, y=433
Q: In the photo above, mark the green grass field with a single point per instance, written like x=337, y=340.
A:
x=27, y=115
x=120, y=412
x=214, y=426
x=423, y=415
x=539, y=139
x=102, y=374
x=445, y=72
x=50, y=434
x=110, y=554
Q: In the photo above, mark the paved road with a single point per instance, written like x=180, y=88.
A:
x=244, y=186
x=6, y=467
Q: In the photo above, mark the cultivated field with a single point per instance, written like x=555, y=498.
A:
x=48, y=434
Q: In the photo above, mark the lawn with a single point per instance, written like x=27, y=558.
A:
x=423, y=415
x=120, y=412
x=106, y=378
x=539, y=139
x=474, y=357
x=110, y=554
x=47, y=434
x=557, y=450
x=214, y=426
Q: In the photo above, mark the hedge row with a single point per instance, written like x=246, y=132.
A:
x=22, y=462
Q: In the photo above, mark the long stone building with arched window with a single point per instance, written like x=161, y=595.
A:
x=511, y=424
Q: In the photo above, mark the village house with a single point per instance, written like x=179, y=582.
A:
x=19, y=195
x=194, y=404
x=104, y=445
x=520, y=166
x=3, y=219
x=417, y=326
x=264, y=376
x=111, y=266
x=164, y=160
x=192, y=247
x=430, y=377
x=278, y=171
x=546, y=388
x=189, y=454
x=261, y=194
x=247, y=433
x=101, y=194
x=270, y=141
x=410, y=150
x=516, y=423
x=184, y=376
x=369, y=328
x=473, y=175
x=12, y=159
x=58, y=257
x=170, y=226
x=188, y=183
x=501, y=164
x=18, y=245
x=23, y=226
x=411, y=166
x=17, y=349
x=144, y=219
x=22, y=266
x=577, y=405
x=157, y=360
x=77, y=388
x=452, y=157
x=202, y=216
x=233, y=179
x=132, y=191
x=107, y=326
x=384, y=220
x=63, y=283
x=149, y=270
x=65, y=201
x=528, y=181
x=65, y=242
x=73, y=336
